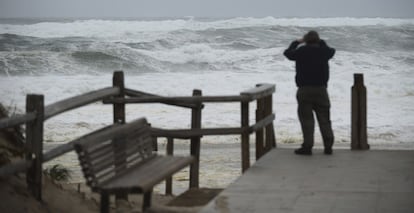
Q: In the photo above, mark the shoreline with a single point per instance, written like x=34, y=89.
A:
x=77, y=197
x=220, y=164
x=68, y=198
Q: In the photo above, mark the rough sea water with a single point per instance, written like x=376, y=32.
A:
x=171, y=57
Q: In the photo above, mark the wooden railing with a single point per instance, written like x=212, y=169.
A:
x=359, y=135
x=265, y=137
x=119, y=96
x=36, y=114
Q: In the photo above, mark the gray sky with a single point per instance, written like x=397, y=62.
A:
x=207, y=8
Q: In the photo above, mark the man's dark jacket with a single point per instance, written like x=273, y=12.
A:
x=312, y=68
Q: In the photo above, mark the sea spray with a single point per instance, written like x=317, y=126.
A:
x=171, y=57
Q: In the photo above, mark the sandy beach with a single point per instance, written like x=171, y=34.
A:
x=62, y=59
x=68, y=198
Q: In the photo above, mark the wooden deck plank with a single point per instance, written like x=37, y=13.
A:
x=347, y=181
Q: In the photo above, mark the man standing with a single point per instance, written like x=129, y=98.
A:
x=312, y=74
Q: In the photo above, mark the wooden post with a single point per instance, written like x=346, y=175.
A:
x=270, y=133
x=119, y=109
x=104, y=202
x=259, y=133
x=154, y=142
x=245, y=149
x=168, y=181
x=359, y=114
x=34, y=144
x=195, y=142
x=119, y=117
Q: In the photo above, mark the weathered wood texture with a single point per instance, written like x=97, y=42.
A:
x=15, y=167
x=170, y=151
x=259, y=131
x=115, y=130
x=34, y=118
x=359, y=114
x=103, y=160
x=245, y=144
x=264, y=118
x=119, y=108
x=119, y=117
x=263, y=123
x=270, y=134
x=16, y=120
x=140, y=94
x=260, y=91
x=61, y=106
x=178, y=100
x=34, y=144
x=78, y=101
x=47, y=112
x=189, y=133
x=378, y=181
x=195, y=142
x=65, y=148
x=134, y=170
x=117, y=95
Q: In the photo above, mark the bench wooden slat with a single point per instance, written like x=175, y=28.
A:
x=144, y=177
x=108, y=133
x=109, y=152
x=101, y=168
x=101, y=150
x=125, y=161
x=113, y=155
x=104, y=160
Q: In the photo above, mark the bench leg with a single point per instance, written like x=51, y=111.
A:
x=146, y=200
x=104, y=202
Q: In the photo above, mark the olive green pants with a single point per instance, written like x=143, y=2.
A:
x=314, y=99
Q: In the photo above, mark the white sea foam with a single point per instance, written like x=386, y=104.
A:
x=122, y=29
x=221, y=57
x=387, y=112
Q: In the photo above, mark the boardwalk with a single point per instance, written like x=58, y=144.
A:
x=348, y=181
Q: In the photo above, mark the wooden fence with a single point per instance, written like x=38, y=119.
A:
x=359, y=140
x=117, y=95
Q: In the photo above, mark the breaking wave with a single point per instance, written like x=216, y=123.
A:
x=191, y=45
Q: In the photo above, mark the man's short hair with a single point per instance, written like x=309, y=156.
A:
x=312, y=37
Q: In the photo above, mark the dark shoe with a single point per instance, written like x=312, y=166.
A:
x=303, y=151
x=328, y=151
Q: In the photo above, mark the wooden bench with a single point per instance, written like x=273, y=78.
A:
x=121, y=159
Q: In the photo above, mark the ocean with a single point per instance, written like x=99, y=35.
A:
x=61, y=58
